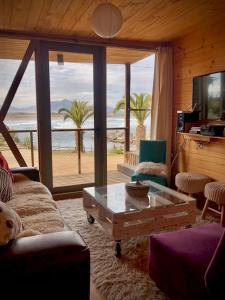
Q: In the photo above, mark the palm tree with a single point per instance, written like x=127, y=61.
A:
x=79, y=112
x=139, y=105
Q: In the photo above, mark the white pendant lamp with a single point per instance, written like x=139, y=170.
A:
x=106, y=20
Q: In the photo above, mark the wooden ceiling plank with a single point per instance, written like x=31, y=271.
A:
x=19, y=14
x=34, y=14
x=83, y=26
x=44, y=12
x=55, y=13
x=73, y=15
x=12, y=49
x=166, y=14
x=6, y=8
x=137, y=20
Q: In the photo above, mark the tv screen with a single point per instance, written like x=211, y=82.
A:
x=209, y=95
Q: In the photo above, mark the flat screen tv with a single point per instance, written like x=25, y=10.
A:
x=209, y=96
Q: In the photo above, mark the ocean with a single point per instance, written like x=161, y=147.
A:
x=66, y=140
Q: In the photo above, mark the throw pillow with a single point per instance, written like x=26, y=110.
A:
x=10, y=224
x=4, y=165
x=152, y=168
x=6, y=187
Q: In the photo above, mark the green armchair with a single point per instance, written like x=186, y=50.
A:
x=155, y=151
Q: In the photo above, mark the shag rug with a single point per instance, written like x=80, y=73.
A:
x=126, y=278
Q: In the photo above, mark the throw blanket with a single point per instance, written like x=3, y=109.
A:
x=152, y=168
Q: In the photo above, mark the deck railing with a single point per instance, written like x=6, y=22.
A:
x=31, y=143
x=131, y=158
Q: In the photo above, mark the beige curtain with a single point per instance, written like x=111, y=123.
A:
x=162, y=98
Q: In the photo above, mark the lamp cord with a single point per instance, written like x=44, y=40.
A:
x=178, y=152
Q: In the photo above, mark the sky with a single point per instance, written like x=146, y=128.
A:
x=75, y=80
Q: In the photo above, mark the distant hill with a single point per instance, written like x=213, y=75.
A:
x=55, y=106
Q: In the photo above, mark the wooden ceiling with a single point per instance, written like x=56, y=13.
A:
x=15, y=49
x=144, y=20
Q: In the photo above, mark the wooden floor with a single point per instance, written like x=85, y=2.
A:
x=113, y=177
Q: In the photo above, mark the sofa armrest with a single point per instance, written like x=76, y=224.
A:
x=61, y=257
x=31, y=172
x=44, y=252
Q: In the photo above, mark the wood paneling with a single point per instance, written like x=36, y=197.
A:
x=15, y=49
x=200, y=52
x=145, y=20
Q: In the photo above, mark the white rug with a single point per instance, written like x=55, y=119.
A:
x=117, y=279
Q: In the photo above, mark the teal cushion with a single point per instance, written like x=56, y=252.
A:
x=154, y=150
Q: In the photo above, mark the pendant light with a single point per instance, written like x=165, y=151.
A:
x=106, y=20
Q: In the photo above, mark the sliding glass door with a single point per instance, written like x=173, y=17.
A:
x=72, y=118
x=74, y=108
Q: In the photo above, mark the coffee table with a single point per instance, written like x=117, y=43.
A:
x=123, y=216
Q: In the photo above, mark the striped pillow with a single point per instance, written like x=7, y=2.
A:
x=4, y=165
x=6, y=187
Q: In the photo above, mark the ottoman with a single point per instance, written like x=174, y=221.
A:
x=178, y=260
x=191, y=183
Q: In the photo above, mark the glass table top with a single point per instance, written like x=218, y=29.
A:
x=115, y=198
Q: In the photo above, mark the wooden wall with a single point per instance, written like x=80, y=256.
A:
x=198, y=53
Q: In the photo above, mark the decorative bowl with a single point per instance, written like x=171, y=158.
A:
x=137, y=189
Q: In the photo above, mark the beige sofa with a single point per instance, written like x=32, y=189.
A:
x=34, y=204
x=53, y=260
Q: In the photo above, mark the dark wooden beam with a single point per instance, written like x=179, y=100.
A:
x=16, y=81
x=10, y=142
x=127, y=107
x=134, y=44
x=43, y=113
x=100, y=116
x=69, y=47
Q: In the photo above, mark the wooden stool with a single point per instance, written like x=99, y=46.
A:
x=215, y=191
x=191, y=183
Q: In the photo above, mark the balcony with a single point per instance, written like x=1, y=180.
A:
x=73, y=163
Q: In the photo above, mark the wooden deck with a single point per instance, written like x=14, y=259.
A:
x=113, y=177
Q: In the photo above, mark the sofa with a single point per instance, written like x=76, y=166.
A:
x=50, y=257
x=189, y=264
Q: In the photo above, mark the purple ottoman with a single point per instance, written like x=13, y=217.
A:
x=178, y=260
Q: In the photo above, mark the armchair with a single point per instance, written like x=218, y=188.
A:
x=154, y=151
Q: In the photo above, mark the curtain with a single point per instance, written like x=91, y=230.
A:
x=162, y=99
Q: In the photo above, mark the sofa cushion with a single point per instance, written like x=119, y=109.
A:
x=10, y=224
x=6, y=188
x=34, y=204
x=25, y=186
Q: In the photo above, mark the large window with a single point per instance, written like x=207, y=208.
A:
x=72, y=118
x=21, y=118
x=142, y=74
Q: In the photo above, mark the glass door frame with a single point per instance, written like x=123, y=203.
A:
x=44, y=111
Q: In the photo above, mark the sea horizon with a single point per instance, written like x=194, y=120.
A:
x=66, y=139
